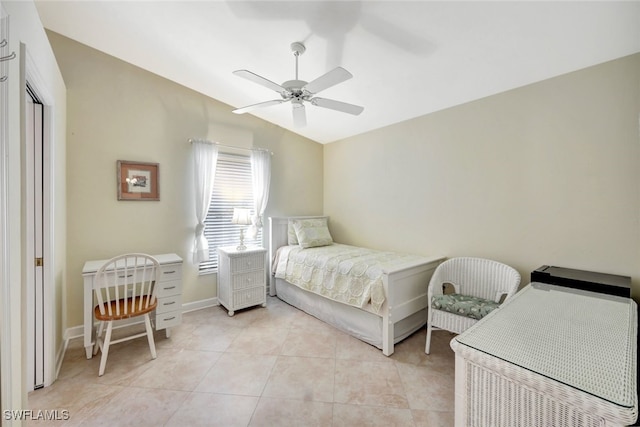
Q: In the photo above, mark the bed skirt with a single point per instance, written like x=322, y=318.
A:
x=360, y=323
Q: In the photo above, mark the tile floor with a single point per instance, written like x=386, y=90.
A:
x=273, y=366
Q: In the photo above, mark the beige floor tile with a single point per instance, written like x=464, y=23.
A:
x=310, y=343
x=125, y=362
x=350, y=348
x=277, y=314
x=139, y=407
x=273, y=366
x=81, y=398
x=212, y=337
x=302, y=378
x=208, y=409
x=259, y=340
x=178, y=370
x=369, y=383
x=371, y=416
x=291, y=413
x=424, y=418
x=427, y=389
x=238, y=373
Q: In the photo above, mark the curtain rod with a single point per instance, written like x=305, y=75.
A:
x=191, y=140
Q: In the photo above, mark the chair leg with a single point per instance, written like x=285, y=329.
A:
x=427, y=347
x=98, y=343
x=152, y=344
x=105, y=349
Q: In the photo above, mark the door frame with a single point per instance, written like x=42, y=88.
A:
x=38, y=86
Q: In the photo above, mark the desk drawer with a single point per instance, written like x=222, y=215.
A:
x=123, y=277
x=166, y=289
x=171, y=303
x=168, y=320
x=170, y=272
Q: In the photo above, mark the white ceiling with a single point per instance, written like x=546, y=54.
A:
x=408, y=58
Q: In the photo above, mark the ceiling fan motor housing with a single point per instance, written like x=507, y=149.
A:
x=294, y=89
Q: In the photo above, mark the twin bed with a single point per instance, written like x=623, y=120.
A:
x=378, y=297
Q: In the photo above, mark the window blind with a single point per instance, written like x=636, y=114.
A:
x=232, y=189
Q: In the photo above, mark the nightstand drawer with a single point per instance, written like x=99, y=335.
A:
x=249, y=297
x=249, y=262
x=166, y=289
x=170, y=303
x=248, y=280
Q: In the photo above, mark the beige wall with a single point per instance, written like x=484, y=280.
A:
x=120, y=112
x=544, y=174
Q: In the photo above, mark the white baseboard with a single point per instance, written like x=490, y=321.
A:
x=199, y=305
x=60, y=356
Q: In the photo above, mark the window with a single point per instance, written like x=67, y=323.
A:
x=232, y=189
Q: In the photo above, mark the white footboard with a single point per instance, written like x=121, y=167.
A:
x=406, y=293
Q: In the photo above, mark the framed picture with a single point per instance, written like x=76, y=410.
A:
x=138, y=181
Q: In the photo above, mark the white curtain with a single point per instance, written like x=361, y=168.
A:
x=261, y=178
x=205, y=157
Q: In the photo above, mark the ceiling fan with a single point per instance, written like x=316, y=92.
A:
x=299, y=91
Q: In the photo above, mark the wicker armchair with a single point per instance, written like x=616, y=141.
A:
x=480, y=283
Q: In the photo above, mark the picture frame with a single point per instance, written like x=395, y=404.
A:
x=138, y=181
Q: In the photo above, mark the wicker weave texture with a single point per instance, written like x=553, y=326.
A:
x=500, y=394
x=511, y=404
x=477, y=277
x=549, y=356
x=585, y=341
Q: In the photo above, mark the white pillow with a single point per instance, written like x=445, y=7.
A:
x=312, y=233
x=292, y=239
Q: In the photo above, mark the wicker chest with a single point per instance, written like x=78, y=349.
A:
x=241, y=278
x=549, y=356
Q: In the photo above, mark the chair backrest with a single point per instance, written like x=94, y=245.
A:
x=129, y=277
x=478, y=277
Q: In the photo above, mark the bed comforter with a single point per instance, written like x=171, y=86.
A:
x=343, y=273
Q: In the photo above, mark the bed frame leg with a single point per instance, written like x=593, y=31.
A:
x=387, y=336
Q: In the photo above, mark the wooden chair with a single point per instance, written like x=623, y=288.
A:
x=479, y=286
x=125, y=288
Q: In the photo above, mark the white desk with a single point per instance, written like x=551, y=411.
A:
x=549, y=355
x=169, y=294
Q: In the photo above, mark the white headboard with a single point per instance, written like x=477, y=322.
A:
x=278, y=227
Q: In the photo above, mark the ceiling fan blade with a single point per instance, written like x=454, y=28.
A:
x=337, y=105
x=260, y=80
x=299, y=115
x=332, y=78
x=252, y=107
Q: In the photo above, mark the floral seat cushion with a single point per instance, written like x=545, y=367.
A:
x=464, y=305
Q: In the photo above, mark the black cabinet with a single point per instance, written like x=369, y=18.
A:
x=610, y=284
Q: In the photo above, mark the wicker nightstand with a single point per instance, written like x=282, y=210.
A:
x=242, y=278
